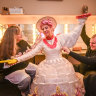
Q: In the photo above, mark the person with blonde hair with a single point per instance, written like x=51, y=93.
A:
x=55, y=75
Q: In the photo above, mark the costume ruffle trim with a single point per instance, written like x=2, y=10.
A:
x=83, y=15
x=58, y=92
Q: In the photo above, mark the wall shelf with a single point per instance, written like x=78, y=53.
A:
x=32, y=19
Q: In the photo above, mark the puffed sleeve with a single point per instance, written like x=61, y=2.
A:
x=31, y=53
x=70, y=39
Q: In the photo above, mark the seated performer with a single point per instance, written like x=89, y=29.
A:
x=55, y=72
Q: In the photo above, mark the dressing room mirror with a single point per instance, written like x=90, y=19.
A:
x=30, y=33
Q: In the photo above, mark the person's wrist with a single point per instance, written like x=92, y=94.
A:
x=69, y=52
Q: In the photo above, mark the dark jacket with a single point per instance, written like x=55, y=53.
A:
x=90, y=78
x=84, y=68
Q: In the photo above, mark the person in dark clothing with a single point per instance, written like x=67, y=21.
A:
x=83, y=59
x=8, y=89
x=90, y=79
x=91, y=52
x=91, y=48
x=15, y=76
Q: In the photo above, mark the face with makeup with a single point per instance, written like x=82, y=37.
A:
x=48, y=30
x=46, y=25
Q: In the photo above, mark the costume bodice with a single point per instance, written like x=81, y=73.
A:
x=67, y=40
x=52, y=53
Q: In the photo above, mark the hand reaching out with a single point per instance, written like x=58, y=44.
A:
x=67, y=50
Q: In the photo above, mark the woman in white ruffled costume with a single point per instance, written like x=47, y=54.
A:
x=55, y=75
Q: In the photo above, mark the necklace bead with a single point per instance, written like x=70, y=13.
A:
x=49, y=45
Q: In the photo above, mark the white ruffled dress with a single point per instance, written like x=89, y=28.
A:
x=55, y=70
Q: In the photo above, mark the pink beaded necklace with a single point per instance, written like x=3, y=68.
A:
x=49, y=45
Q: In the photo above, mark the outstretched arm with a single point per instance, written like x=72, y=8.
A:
x=83, y=59
x=69, y=40
x=25, y=56
x=84, y=36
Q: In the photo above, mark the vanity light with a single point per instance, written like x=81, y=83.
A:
x=65, y=28
x=2, y=30
x=34, y=33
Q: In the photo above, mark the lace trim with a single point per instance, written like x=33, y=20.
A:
x=56, y=83
x=55, y=60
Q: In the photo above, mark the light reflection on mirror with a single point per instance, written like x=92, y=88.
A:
x=93, y=29
x=29, y=32
x=3, y=27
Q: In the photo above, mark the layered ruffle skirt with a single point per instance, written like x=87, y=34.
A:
x=56, y=78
